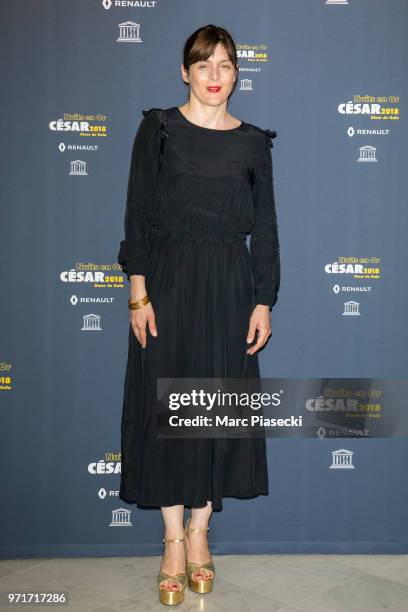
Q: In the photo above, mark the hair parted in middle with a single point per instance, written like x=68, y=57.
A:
x=200, y=45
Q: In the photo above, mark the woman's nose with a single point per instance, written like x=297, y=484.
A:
x=214, y=74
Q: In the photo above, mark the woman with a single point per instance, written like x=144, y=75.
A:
x=200, y=180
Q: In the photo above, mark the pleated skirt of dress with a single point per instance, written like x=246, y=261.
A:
x=202, y=295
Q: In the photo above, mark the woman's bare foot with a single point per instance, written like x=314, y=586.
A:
x=173, y=561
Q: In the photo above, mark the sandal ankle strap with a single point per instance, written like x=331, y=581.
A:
x=190, y=529
x=173, y=540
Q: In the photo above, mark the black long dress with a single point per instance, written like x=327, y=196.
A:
x=193, y=195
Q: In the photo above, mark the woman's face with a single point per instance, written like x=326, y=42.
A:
x=212, y=80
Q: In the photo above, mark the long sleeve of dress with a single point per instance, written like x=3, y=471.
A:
x=134, y=249
x=264, y=245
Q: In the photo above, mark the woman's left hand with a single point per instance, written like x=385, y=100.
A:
x=260, y=320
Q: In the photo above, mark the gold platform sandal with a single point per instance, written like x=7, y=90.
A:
x=195, y=584
x=172, y=598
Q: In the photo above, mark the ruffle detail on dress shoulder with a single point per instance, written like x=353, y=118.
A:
x=269, y=135
x=163, y=120
x=149, y=110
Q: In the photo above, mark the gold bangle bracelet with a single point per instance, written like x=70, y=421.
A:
x=139, y=303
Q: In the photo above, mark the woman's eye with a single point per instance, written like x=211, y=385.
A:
x=204, y=66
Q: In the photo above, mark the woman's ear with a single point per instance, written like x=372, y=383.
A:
x=184, y=74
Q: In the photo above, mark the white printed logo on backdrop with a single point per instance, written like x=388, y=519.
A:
x=342, y=459
x=245, y=85
x=367, y=154
x=91, y=322
x=121, y=518
x=129, y=32
x=351, y=308
x=78, y=168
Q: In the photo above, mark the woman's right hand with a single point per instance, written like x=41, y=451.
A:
x=138, y=320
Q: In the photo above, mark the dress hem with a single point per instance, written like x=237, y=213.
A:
x=190, y=504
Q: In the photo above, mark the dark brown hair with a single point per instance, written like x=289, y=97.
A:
x=201, y=45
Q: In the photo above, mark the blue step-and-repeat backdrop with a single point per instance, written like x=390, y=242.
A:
x=330, y=78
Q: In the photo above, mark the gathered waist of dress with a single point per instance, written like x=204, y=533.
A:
x=228, y=238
